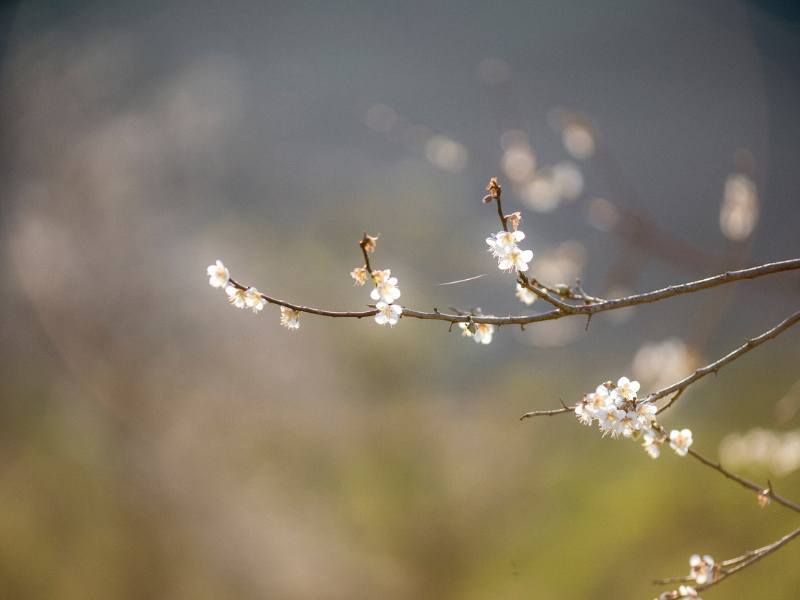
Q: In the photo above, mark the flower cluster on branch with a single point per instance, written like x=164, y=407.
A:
x=616, y=408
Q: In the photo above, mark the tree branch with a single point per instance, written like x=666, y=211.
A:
x=716, y=366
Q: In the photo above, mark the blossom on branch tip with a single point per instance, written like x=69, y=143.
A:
x=680, y=441
x=516, y=260
x=360, y=275
x=701, y=567
x=218, y=274
x=627, y=388
x=388, y=313
x=525, y=295
x=253, y=299
x=236, y=296
x=369, y=242
x=290, y=318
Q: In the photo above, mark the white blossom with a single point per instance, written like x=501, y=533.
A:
x=611, y=420
x=388, y=313
x=652, y=443
x=379, y=277
x=386, y=291
x=483, y=332
x=253, y=299
x=525, y=295
x=290, y=318
x=646, y=414
x=629, y=423
x=584, y=410
x=516, y=260
x=218, y=274
x=236, y=296
x=701, y=567
x=503, y=242
x=680, y=441
x=687, y=591
x=360, y=275
x=627, y=388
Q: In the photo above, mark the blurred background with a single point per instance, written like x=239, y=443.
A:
x=158, y=443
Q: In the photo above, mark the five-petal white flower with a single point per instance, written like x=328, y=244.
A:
x=236, y=296
x=253, y=299
x=680, y=441
x=388, y=313
x=218, y=274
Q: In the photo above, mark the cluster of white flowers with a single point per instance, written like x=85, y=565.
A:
x=385, y=292
x=220, y=277
x=616, y=409
x=503, y=246
x=482, y=333
x=618, y=412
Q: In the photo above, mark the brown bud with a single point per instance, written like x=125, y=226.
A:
x=514, y=219
x=369, y=242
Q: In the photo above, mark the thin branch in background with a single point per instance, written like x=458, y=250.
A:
x=720, y=572
x=716, y=366
x=744, y=482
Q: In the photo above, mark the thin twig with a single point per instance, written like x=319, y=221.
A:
x=744, y=482
x=716, y=366
x=531, y=285
x=547, y=413
x=308, y=309
x=740, y=562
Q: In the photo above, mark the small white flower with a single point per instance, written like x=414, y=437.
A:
x=584, y=410
x=680, y=441
x=236, y=296
x=503, y=242
x=687, y=591
x=388, y=313
x=627, y=388
x=611, y=420
x=652, y=443
x=646, y=414
x=379, y=277
x=484, y=333
x=525, y=295
x=360, y=275
x=290, y=318
x=253, y=299
x=629, y=423
x=701, y=567
x=604, y=396
x=386, y=290
x=515, y=260
x=218, y=274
